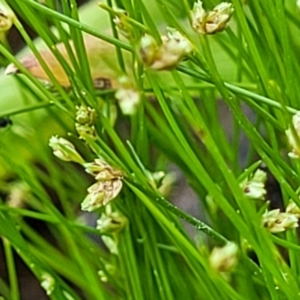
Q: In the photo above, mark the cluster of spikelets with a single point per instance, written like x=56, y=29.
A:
x=108, y=180
x=273, y=220
x=161, y=54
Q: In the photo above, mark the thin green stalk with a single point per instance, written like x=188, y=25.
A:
x=123, y=151
x=17, y=111
x=200, y=127
x=270, y=283
x=264, y=114
x=42, y=62
x=4, y=289
x=116, y=36
x=46, y=94
x=291, y=237
x=261, y=146
x=9, y=231
x=197, y=167
x=149, y=258
x=256, y=58
x=188, y=247
x=285, y=243
x=271, y=42
x=64, y=36
x=148, y=19
x=288, y=55
x=126, y=18
x=11, y=269
x=89, y=273
x=230, y=100
x=76, y=24
x=29, y=213
x=57, y=261
x=77, y=37
x=159, y=267
x=142, y=139
x=238, y=90
x=129, y=260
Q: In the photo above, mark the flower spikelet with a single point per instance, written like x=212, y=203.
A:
x=168, y=54
x=101, y=193
x=213, y=21
x=224, y=259
x=294, y=136
x=255, y=187
x=107, y=187
x=85, y=119
x=64, y=150
x=276, y=221
x=293, y=208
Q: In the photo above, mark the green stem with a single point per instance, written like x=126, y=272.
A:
x=238, y=90
x=263, y=244
x=11, y=268
x=77, y=24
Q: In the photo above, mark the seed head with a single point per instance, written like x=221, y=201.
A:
x=276, y=221
x=255, y=187
x=102, y=171
x=101, y=193
x=211, y=22
x=85, y=119
x=85, y=115
x=86, y=131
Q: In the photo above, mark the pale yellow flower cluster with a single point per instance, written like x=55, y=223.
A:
x=108, y=179
x=213, y=21
x=173, y=48
x=276, y=221
x=107, y=187
x=293, y=136
x=224, y=259
x=85, y=119
x=254, y=187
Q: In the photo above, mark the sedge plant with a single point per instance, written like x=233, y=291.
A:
x=118, y=105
